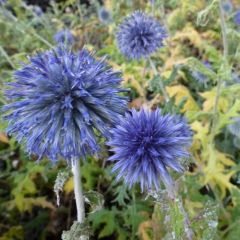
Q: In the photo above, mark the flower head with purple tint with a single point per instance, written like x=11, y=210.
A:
x=237, y=18
x=227, y=6
x=2, y=2
x=104, y=15
x=140, y=35
x=145, y=143
x=60, y=99
x=37, y=10
x=64, y=36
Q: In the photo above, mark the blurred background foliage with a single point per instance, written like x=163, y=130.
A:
x=190, y=66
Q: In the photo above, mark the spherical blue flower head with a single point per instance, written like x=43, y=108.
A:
x=60, y=99
x=227, y=6
x=2, y=2
x=140, y=35
x=64, y=36
x=37, y=10
x=104, y=15
x=145, y=144
x=237, y=18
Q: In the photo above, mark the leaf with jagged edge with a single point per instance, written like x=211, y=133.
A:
x=77, y=231
x=180, y=92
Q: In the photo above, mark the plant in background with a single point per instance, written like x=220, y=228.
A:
x=140, y=35
x=64, y=36
x=227, y=6
x=59, y=100
x=237, y=18
x=104, y=15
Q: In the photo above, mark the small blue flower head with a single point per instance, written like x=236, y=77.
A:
x=37, y=10
x=3, y=2
x=60, y=100
x=140, y=35
x=227, y=6
x=145, y=144
x=104, y=15
x=64, y=36
x=237, y=18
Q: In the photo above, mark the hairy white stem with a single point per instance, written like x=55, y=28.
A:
x=78, y=191
x=177, y=199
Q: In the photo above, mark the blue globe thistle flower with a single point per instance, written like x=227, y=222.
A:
x=2, y=2
x=145, y=143
x=237, y=18
x=37, y=10
x=140, y=35
x=104, y=15
x=64, y=36
x=60, y=99
x=227, y=6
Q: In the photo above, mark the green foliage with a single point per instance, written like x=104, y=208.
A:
x=77, y=231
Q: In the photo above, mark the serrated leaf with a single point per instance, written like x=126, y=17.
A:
x=209, y=103
x=180, y=92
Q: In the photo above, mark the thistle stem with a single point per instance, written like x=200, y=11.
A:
x=177, y=201
x=155, y=71
x=78, y=191
x=220, y=79
x=4, y=53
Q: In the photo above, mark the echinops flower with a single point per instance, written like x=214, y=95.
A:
x=37, y=10
x=145, y=143
x=64, y=36
x=237, y=18
x=2, y=2
x=60, y=99
x=104, y=15
x=140, y=35
x=227, y=6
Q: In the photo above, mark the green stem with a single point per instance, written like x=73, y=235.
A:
x=78, y=191
x=4, y=53
x=165, y=94
x=42, y=39
x=133, y=214
x=220, y=78
x=178, y=204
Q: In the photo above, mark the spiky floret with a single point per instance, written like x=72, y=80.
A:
x=139, y=35
x=145, y=144
x=60, y=99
